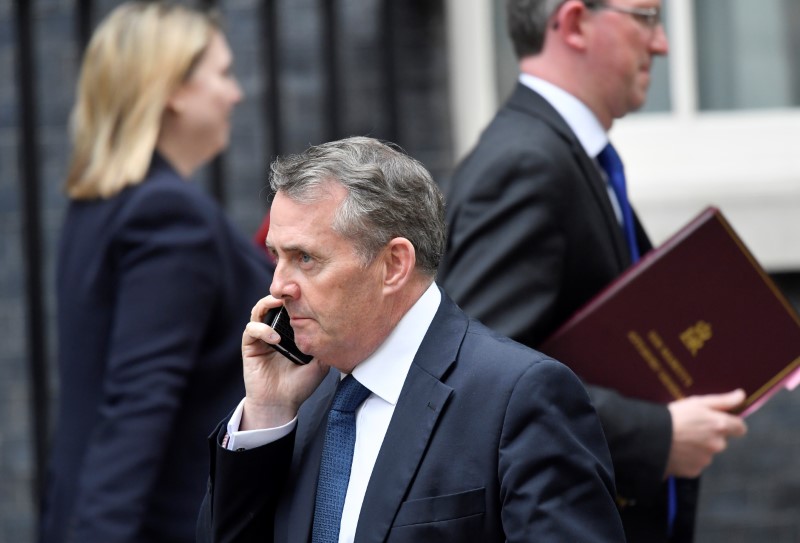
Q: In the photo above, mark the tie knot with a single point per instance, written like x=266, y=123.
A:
x=609, y=160
x=349, y=395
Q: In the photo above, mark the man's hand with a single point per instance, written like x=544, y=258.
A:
x=274, y=386
x=701, y=427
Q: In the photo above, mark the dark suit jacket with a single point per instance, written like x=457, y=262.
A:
x=154, y=288
x=476, y=451
x=532, y=236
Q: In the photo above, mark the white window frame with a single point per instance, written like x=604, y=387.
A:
x=747, y=163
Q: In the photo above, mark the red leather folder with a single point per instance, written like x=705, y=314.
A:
x=696, y=315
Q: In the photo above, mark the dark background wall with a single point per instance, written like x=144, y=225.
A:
x=312, y=70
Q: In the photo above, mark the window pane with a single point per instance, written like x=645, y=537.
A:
x=658, y=97
x=745, y=54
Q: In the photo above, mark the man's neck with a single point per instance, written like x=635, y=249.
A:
x=562, y=76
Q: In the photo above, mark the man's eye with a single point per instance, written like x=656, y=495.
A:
x=305, y=259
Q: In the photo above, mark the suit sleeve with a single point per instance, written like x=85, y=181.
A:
x=243, y=491
x=553, y=454
x=166, y=290
x=505, y=264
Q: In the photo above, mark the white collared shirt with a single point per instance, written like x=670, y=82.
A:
x=383, y=373
x=580, y=119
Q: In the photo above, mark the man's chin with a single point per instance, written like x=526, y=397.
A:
x=637, y=102
x=305, y=346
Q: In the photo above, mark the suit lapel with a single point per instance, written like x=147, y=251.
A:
x=526, y=100
x=598, y=187
x=418, y=409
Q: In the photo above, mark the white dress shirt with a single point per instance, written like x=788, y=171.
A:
x=581, y=121
x=383, y=373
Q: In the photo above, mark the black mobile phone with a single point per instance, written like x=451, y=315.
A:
x=278, y=319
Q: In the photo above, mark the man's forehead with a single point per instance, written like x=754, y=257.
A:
x=301, y=226
x=288, y=235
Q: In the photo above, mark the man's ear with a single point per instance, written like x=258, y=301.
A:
x=399, y=259
x=568, y=23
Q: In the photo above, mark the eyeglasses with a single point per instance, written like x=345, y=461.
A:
x=649, y=17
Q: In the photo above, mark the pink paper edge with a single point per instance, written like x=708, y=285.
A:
x=790, y=383
x=793, y=380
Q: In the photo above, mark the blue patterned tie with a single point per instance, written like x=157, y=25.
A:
x=337, y=457
x=611, y=163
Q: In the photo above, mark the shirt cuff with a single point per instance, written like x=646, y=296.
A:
x=250, y=439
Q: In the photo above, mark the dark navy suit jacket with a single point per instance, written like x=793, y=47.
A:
x=154, y=288
x=490, y=441
x=532, y=237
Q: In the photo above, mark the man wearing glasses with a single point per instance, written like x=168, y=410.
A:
x=539, y=222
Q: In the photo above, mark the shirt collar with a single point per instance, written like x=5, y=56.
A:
x=576, y=114
x=385, y=370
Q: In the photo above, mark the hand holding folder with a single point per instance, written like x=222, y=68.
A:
x=697, y=315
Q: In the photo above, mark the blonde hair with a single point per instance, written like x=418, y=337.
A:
x=137, y=58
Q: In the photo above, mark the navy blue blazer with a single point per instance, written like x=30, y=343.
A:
x=154, y=288
x=490, y=441
x=531, y=238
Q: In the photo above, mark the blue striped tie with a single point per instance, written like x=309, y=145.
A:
x=611, y=163
x=337, y=457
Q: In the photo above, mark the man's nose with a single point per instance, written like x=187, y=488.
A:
x=659, y=45
x=283, y=285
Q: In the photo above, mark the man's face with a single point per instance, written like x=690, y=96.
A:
x=336, y=304
x=623, y=48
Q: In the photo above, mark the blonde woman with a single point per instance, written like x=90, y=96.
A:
x=154, y=284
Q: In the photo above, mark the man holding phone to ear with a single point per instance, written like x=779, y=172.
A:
x=405, y=426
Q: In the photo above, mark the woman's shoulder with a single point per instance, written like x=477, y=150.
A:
x=163, y=191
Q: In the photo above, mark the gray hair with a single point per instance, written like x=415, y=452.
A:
x=527, y=24
x=389, y=194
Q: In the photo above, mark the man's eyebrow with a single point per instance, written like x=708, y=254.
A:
x=288, y=248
